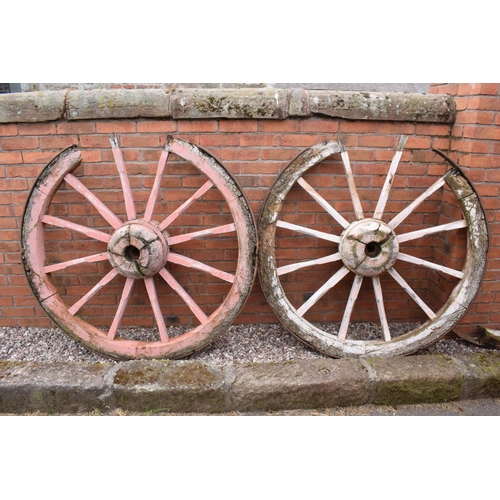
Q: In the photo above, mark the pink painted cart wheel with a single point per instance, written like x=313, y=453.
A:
x=133, y=251
x=374, y=249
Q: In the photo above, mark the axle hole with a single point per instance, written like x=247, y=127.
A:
x=131, y=253
x=372, y=249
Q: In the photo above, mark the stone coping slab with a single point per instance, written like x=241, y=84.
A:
x=202, y=387
x=246, y=103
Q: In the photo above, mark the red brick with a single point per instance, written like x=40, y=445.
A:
x=19, y=143
x=298, y=140
x=289, y=125
x=197, y=126
x=156, y=126
x=239, y=154
x=469, y=146
x=396, y=128
x=77, y=127
x=58, y=142
x=37, y=129
x=482, y=132
x=278, y=154
x=24, y=171
x=376, y=141
x=43, y=157
x=319, y=125
x=476, y=117
x=95, y=141
x=432, y=129
x=118, y=127
x=140, y=141
x=418, y=143
x=259, y=139
x=358, y=127
x=478, y=88
x=238, y=126
x=93, y=156
x=219, y=140
x=486, y=103
x=10, y=158
x=10, y=129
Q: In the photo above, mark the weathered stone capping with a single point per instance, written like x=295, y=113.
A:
x=224, y=103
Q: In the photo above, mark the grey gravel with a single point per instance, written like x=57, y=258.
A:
x=239, y=344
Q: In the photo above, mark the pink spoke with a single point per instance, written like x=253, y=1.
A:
x=182, y=260
x=430, y=265
x=430, y=313
x=414, y=204
x=87, y=231
x=120, y=165
x=63, y=265
x=384, y=195
x=156, y=186
x=181, y=238
x=127, y=290
x=341, y=273
x=323, y=203
x=431, y=230
x=308, y=231
x=153, y=297
x=107, y=214
x=78, y=305
x=185, y=205
x=308, y=263
x=358, y=210
x=176, y=286
x=356, y=286
x=379, y=299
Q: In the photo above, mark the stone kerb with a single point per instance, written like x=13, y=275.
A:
x=224, y=103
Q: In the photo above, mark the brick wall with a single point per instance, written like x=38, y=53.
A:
x=255, y=151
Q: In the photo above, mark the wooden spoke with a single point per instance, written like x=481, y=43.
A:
x=153, y=298
x=87, y=231
x=341, y=273
x=186, y=205
x=300, y=265
x=356, y=285
x=63, y=265
x=308, y=231
x=323, y=203
x=176, y=286
x=181, y=238
x=122, y=172
x=182, y=260
x=127, y=290
x=414, y=204
x=379, y=299
x=78, y=305
x=430, y=265
x=431, y=230
x=384, y=194
x=430, y=313
x=156, y=186
x=106, y=213
x=358, y=210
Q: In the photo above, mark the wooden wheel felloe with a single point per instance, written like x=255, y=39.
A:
x=368, y=248
x=132, y=251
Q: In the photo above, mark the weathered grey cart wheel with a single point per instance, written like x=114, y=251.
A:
x=367, y=248
x=138, y=249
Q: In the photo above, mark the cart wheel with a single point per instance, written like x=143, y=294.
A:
x=367, y=249
x=140, y=252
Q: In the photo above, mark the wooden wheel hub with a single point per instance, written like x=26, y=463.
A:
x=368, y=247
x=138, y=249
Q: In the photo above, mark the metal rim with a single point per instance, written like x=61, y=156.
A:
x=363, y=232
x=139, y=248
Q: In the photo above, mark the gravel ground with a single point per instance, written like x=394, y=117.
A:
x=239, y=344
